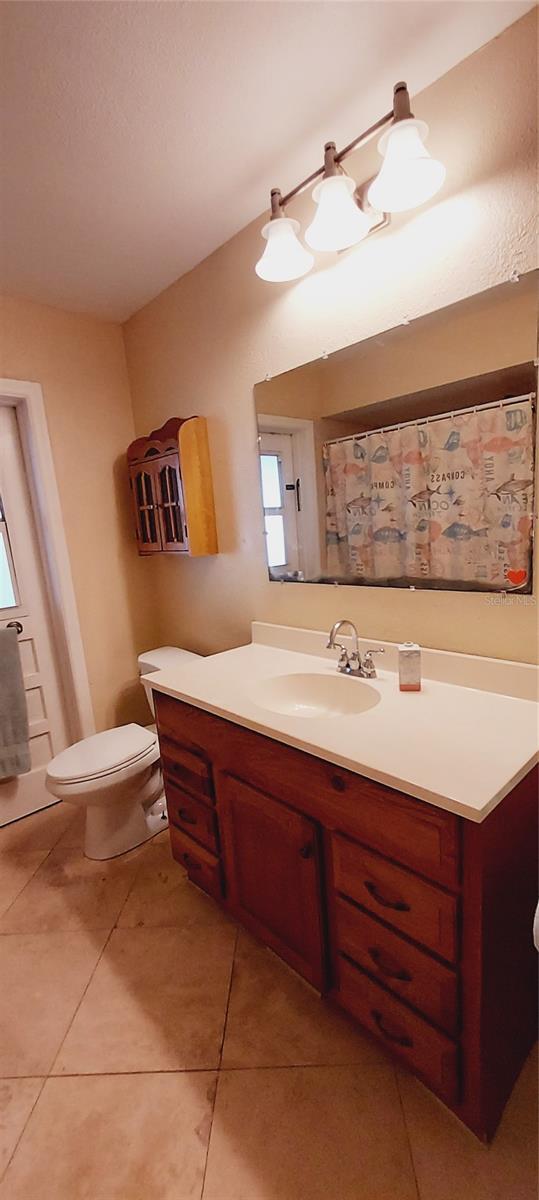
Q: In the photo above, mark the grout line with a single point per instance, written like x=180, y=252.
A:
x=39, y=866
x=96, y=964
x=219, y=1063
x=26, y=1123
x=191, y=1070
x=407, y=1131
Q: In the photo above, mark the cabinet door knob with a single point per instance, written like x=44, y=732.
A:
x=398, y=905
x=338, y=783
x=307, y=850
x=401, y=1039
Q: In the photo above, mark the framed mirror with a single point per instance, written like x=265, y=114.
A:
x=408, y=460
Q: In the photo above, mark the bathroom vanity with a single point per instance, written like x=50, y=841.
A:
x=415, y=917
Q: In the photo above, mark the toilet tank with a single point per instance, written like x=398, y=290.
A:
x=160, y=659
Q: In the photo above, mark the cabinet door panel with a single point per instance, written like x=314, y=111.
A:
x=273, y=874
x=145, y=506
x=171, y=506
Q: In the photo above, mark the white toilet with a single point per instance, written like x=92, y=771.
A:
x=116, y=775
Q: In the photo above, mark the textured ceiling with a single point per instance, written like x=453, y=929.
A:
x=138, y=137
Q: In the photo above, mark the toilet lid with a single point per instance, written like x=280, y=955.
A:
x=101, y=753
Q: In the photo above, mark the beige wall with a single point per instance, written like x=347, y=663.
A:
x=203, y=344
x=80, y=363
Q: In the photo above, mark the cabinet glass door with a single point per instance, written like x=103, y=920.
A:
x=143, y=490
x=171, y=506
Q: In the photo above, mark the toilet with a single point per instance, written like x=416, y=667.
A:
x=116, y=775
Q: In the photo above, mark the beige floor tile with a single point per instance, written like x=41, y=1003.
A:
x=71, y=892
x=309, y=1133
x=163, y=896
x=156, y=1002
x=15, y=871
x=40, y=831
x=74, y=834
x=450, y=1162
x=275, y=1019
x=43, y=978
x=136, y=1137
x=17, y=1098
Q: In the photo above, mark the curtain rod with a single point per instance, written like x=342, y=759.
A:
x=458, y=412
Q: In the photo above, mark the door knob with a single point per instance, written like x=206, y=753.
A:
x=14, y=625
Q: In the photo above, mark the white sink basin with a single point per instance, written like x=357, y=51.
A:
x=313, y=695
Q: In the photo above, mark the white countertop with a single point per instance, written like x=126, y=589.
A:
x=458, y=747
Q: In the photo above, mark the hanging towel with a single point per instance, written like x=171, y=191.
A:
x=14, y=748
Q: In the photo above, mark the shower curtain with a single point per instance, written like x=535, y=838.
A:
x=447, y=501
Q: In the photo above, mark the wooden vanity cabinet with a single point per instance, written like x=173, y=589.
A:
x=416, y=921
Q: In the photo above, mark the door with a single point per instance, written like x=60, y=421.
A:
x=171, y=508
x=23, y=598
x=281, y=498
x=272, y=868
x=143, y=483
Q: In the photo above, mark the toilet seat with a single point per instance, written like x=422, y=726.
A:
x=104, y=754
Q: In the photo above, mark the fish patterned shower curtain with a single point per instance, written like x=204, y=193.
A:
x=448, y=501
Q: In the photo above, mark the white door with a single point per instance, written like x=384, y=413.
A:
x=23, y=598
x=280, y=488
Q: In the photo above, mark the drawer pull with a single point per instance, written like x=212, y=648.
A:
x=398, y=905
x=186, y=817
x=191, y=862
x=401, y=1039
x=386, y=967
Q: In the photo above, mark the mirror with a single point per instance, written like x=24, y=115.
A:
x=407, y=460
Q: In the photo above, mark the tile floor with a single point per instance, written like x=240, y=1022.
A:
x=150, y=1050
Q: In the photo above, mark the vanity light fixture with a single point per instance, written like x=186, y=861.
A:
x=284, y=258
x=408, y=177
x=339, y=222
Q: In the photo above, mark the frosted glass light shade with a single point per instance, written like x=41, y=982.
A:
x=408, y=176
x=338, y=222
x=284, y=257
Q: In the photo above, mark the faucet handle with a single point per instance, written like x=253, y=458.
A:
x=369, y=669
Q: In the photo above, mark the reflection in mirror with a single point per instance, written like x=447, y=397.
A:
x=407, y=460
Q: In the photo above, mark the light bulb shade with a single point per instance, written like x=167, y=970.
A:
x=408, y=176
x=284, y=257
x=338, y=222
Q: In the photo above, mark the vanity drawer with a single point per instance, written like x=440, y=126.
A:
x=427, y=1051
x=195, y=818
x=186, y=768
x=412, y=974
x=422, y=911
x=203, y=868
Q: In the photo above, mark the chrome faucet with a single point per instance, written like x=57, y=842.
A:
x=351, y=664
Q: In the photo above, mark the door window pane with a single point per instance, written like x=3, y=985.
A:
x=275, y=541
x=7, y=590
x=271, y=480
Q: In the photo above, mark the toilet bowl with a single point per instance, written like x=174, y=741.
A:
x=116, y=776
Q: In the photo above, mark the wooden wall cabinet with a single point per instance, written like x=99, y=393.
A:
x=416, y=921
x=172, y=491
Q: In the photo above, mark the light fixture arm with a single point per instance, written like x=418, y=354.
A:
x=401, y=103
x=276, y=204
x=338, y=156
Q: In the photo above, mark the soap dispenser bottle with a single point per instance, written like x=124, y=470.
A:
x=409, y=667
